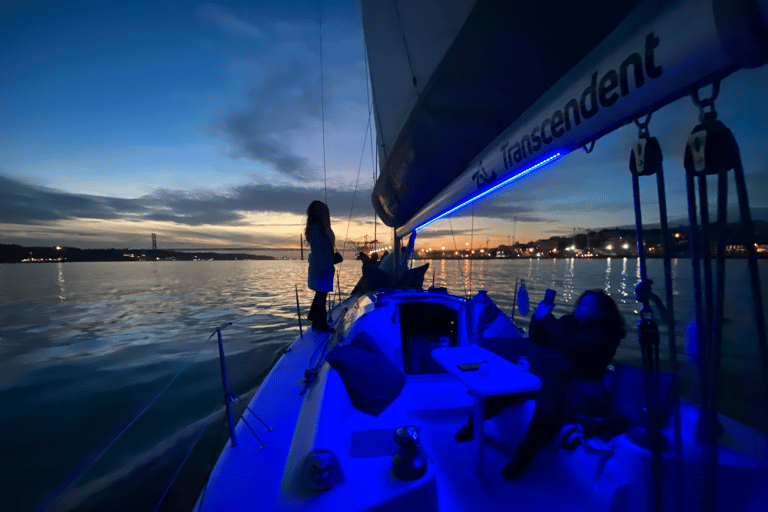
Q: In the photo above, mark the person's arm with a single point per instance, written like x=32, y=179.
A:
x=547, y=330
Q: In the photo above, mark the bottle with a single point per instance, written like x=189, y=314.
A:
x=444, y=342
x=484, y=368
x=522, y=363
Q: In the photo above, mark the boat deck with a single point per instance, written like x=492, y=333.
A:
x=250, y=477
x=541, y=487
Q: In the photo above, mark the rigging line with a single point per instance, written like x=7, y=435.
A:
x=255, y=360
x=405, y=45
x=471, y=246
x=200, y=432
x=373, y=154
x=461, y=271
x=357, y=180
x=322, y=89
x=375, y=165
x=96, y=454
x=354, y=194
x=367, y=75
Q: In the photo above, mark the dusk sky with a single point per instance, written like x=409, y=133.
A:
x=201, y=122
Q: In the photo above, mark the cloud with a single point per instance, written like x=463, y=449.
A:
x=229, y=23
x=29, y=204
x=283, y=99
x=276, y=113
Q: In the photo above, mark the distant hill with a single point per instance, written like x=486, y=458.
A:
x=19, y=254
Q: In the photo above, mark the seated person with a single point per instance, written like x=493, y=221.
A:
x=577, y=346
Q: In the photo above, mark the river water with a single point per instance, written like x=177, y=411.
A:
x=84, y=345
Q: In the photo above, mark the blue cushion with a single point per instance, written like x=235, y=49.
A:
x=372, y=380
x=414, y=277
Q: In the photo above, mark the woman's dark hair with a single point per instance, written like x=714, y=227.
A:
x=608, y=306
x=318, y=213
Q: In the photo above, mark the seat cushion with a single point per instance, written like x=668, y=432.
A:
x=371, y=379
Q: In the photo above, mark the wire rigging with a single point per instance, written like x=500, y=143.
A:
x=461, y=271
x=471, y=246
x=322, y=92
x=405, y=46
x=374, y=156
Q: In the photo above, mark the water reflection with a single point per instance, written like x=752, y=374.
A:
x=60, y=268
x=623, y=284
x=125, y=327
x=568, y=285
x=443, y=275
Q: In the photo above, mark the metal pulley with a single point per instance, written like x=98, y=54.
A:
x=711, y=149
x=646, y=157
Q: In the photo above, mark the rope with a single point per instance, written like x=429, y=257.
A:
x=645, y=160
x=315, y=362
x=746, y=220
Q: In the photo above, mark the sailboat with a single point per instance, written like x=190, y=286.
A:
x=469, y=97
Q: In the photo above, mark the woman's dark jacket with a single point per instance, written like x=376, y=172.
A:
x=589, y=346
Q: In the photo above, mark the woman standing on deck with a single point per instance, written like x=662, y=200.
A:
x=321, y=260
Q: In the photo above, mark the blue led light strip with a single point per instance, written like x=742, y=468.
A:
x=483, y=194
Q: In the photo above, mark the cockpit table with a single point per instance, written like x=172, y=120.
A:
x=502, y=378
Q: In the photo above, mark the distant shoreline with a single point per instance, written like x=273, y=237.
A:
x=19, y=254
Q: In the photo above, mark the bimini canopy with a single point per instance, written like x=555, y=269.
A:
x=453, y=79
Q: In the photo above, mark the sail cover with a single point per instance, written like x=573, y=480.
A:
x=449, y=76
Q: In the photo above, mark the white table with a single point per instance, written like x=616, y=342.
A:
x=503, y=378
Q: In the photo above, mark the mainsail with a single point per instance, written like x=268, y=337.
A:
x=522, y=82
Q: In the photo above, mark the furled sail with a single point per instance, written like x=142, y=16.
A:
x=448, y=77
x=530, y=75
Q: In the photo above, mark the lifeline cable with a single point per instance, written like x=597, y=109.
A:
x=200, y=432
x=96, y=454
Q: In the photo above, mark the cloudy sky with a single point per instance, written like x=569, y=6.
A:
x=202, y=123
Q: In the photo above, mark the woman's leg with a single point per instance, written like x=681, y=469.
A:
x=542, y=430
x=492, y=405
x=317, y=312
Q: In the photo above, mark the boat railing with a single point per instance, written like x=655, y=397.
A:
x=76, y=489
